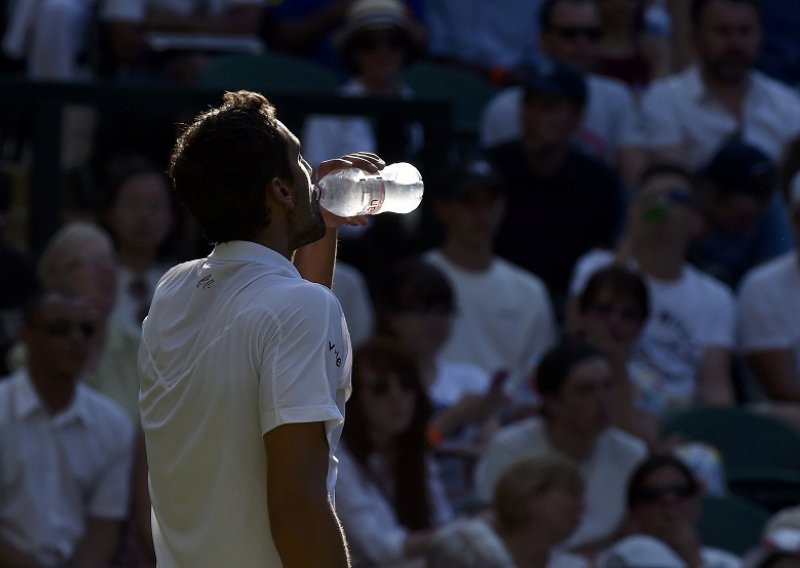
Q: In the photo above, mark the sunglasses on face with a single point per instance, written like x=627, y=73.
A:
x=384, y=385
x=371, y=42
x=63, y=328
x=659, y=204
x=664, y=493
x=575, y=32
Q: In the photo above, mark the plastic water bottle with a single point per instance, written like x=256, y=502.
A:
x=397, y=188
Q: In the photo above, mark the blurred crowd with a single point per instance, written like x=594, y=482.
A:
x=614, y=245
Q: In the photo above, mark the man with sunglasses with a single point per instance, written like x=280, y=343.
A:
x=609, y=129
x=67, y=450
x=687, y=340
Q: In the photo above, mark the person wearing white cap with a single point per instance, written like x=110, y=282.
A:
x=769, y=309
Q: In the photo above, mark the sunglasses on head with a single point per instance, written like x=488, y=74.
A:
x=371, y=42
x=575, y=32
x=62, y=328
x=383, y=386
x=664, y=493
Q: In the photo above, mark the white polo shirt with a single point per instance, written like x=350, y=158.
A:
x=57, y=471
x=678, y=111
x=234, y=346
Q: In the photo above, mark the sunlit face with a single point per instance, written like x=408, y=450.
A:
x=58, y=339
x=728, y=40
x=668, y=501
x=613, y=314
x=388, y=401
x=380, y=54
x=583, y=403
x=573, y=34
x=141, y=215
x=305, y=220
x=557, y=510
x=90, y=271
x=474, y=220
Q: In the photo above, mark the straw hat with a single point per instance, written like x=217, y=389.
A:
x=368, y=15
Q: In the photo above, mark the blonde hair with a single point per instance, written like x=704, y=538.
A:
x=65, y=246
x=528, y=477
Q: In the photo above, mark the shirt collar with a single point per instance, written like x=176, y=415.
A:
x=248, y=251
x=696, y=89
x=27, y=403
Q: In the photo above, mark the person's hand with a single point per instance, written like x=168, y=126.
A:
x=370, y=163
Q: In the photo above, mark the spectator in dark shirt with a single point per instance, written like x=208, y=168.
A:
x=561, y=202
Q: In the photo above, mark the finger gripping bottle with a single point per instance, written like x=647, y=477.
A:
x=397, y=188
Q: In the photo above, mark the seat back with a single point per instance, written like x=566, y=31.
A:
x=731, y=523
x=467, y=92
x=269, y=72
x=743, y=438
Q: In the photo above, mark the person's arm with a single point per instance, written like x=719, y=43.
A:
x=714, y=383
x=100, y=543
x=304, y=526
x=316, y=261
x=775, y=369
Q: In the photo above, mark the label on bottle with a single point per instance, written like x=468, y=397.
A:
x=376, y=203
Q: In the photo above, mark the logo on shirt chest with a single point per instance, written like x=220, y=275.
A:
x=206, y=282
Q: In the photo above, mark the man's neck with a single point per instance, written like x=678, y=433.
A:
x=661, y=262
x=546, y=161
x=730, y=95
x=471, y=258
x=55, y=392
x=567, y=442
x=527, y=548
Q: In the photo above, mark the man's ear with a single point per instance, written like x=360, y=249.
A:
x=279, y=191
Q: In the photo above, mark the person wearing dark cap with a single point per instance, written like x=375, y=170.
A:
x=561, y=202
x=745, y=219
x=505, y=318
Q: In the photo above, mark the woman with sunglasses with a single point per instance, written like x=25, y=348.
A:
x=388, y=495
x=664, y=507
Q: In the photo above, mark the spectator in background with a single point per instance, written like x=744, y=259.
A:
x=769, y=309
x=504, y=319
x=127, y=24
x=67, y=451
x=664, y=508
x=13, y=291
x=478, y=36
x=574, y=382
x=307, y=27
x=744, y=216
x=609, y=127
x=51, y=37
x=687, y=341
x=377, y=41
x=555, y=193
x=538, y=503
x=610, y=313
x=689, y=116
x=388, y=495
x=350, y=289
x=628, y=51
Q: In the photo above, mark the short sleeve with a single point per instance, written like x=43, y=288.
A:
x=761, y=320
x=110, y=493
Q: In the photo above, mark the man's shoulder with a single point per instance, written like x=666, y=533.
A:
x=520, y=436
x=109, y=415
x=771, y=274
x=520, y=275
x=702, y=281
x=680, y=83
x=623, y=445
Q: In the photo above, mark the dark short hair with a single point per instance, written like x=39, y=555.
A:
x=652, y=464
x=656, y=169
x=559, y=362
x=547, y=9
x=223, y=161
x=698, y=8
x=739, y=168
x=412, y=284
x=623, y=282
